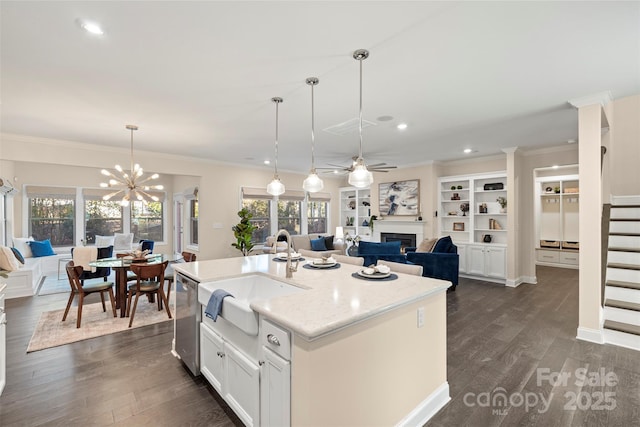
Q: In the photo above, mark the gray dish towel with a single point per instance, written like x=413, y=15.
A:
x=214, y=306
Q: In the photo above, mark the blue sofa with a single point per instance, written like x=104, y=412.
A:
x=441, y=263
x=372, y=252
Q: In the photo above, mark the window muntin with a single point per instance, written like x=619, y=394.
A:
x=290, y=215
x=52, y=217
x=260, y=208
x=316, y=217
x=102, y=218
x=193, y=222
x=147, y=221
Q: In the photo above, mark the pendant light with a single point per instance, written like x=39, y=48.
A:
x=275, y=187
x=360, y=177
x=131, y=184
x=313, y=183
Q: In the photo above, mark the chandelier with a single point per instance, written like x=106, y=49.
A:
x=313, y=183
x=131, y=185
x=360, y=177
x=276, y=187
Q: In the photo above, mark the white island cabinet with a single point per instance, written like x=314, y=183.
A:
x=331, y=344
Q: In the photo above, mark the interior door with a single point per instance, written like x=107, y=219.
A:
x=178, y=226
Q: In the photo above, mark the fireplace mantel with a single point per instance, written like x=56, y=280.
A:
x=408, y=227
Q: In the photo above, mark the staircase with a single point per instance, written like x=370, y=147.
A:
x=622, y=286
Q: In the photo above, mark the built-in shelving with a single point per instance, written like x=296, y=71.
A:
x=557, y=202
x=355, y=204
x=481, y=231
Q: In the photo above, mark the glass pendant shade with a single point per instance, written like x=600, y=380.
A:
x=360, y=177
x=313, y=183
x=275, y=187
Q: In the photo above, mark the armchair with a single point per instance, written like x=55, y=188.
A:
x=441, y=263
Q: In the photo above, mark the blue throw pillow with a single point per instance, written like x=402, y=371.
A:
x=444, y=245
x=41, y=248
x=18, y=255
x=374, y=248
x=318, y=244
x=328, y=242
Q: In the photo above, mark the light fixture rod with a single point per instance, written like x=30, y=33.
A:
x=277, y=100
x=131, y=128
x=360, y=55
x=312, y=81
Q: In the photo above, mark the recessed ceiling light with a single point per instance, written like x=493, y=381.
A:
x=402, y=126
x=90, y=27
x=267, y=162
x=467, y=150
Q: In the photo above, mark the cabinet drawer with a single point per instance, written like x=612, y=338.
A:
x=569, y=258
x=548, y=256
x=276, y=339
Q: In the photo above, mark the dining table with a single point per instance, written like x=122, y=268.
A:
x=122, y=264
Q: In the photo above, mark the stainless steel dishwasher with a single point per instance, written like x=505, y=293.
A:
x=188, y=317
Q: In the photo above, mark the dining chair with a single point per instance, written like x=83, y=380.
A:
x=131, y=276
x=345, y=259
x=81, y=256
x=186, y=257
x=398, y=267
x=74, y=273
x=149, y=281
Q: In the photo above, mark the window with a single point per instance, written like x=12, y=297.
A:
x=102, y=218
x=193, y=222
x=147, y=221
x=316, y=217
x=52, y=216
x=290, y=215
x=260, y=209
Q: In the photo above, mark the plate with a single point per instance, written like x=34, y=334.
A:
x=327, y=265
x=294, y=257
x=375, y=275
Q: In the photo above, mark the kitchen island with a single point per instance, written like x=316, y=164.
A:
x=356, y=352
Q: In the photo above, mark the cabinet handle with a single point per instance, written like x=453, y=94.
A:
x=547, y=256
x=220, y=354
x=260, y=362
x=273, y=339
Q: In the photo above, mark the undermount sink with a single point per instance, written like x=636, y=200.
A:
x=245, y=290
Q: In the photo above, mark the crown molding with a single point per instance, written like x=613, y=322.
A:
x=602, y=98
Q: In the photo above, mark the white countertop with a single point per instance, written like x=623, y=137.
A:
x=333, y=300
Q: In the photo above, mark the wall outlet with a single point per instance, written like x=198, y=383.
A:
x=420, y=317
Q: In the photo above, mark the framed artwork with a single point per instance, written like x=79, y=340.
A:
x=458, y=226
x=400, y=197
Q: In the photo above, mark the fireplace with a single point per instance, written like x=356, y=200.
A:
x=406, y=239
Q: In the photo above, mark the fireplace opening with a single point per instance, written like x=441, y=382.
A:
x=406, y=240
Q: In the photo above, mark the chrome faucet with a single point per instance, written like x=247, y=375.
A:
x=290, y=268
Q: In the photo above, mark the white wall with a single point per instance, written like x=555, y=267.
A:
x=219, y=184
x=624, y=148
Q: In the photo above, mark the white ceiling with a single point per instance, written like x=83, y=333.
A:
x=197, y=77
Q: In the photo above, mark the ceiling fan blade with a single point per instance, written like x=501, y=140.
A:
x=382, y=167
x=375, y=165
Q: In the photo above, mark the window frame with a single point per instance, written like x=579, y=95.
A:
x=190, y=196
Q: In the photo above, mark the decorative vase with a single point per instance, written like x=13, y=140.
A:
x=503, y=210
x=352, y=251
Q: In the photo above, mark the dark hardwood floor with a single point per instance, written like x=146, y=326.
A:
x=497, y=338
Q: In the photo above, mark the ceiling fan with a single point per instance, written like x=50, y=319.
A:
x=340, y=169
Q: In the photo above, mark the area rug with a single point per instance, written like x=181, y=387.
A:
x=51, y=331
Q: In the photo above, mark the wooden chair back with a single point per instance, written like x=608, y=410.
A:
x=153, y=272
x=73, y=274
x=188, y=256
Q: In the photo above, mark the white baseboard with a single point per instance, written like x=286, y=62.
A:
x=622, y=339
x=428, y=407
x=591, y=335
x=514, y=283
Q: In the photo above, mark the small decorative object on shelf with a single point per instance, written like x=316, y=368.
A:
x=458, y=226
x=455, y=196
x=350, y=220
x=464, y=207
x=482, y=208
x=459, y=187
x=352, y=204
x=373, y=218
x=503, y=204
x=453, y=187
x=556, y=189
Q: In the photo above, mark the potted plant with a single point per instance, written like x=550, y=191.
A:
x=243, y=232
x=503, y=204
